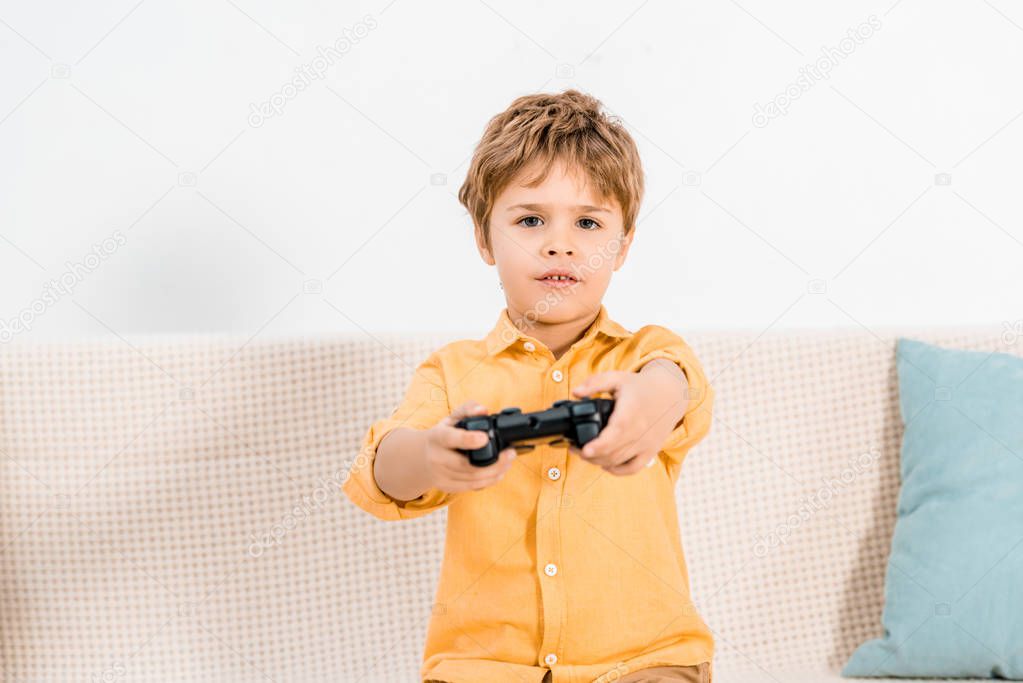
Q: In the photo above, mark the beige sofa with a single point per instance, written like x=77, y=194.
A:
x=170, y=506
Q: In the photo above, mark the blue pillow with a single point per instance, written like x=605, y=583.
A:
x=954, y=583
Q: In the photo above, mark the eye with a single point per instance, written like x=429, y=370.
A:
x=529, y=218
x=591, y=224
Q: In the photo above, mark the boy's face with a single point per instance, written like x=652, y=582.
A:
x=559, y=224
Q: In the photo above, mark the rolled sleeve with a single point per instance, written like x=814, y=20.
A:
x=659, y=342
x=424, y=405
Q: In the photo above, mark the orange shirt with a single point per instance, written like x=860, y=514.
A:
x=560, y=565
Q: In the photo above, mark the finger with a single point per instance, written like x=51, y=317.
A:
x=621, y=470
x=606, y=442
x=627, y=459
x=465, y=410
x=458, y=413
x=466, y=480
x=610, y=434
x=614, y=442
x=454, y=438
x=507, y=459
x=602, y=381
x=630, y=466
x=629, y=448
x=494, y=473
x=458, y=466
x=615, y=454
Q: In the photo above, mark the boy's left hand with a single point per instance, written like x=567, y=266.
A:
x=648, y=405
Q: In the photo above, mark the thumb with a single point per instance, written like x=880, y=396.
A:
x=602, y=381
x=465, y=410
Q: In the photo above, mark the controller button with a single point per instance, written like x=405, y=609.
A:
x=586, y=433
x=511, y=411
x=557, y=376
x=554, y=474
x=550, y=570
x=562, y=403
x=584, y=409
x=477, y=423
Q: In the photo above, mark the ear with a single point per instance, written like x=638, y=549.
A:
x=626, y=242
x=485, y=253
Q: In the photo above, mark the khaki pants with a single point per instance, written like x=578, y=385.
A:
x=699, y=673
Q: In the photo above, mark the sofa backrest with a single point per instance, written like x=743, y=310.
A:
x=169, y=507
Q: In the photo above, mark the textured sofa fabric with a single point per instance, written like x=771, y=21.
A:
x=170, y=511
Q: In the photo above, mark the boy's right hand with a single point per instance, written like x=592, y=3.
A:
x=449, y=470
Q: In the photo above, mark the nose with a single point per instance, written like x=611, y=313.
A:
x=559, y=241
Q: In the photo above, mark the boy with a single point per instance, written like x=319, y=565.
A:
x=560, y=565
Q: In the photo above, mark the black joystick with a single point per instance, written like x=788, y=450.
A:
x=577, y=421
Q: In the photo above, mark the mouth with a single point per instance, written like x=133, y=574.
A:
x=557, y=277
x=558, y=281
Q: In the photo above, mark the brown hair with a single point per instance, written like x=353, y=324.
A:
x=547, y=127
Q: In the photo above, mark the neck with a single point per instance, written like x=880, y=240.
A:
x=556, y=336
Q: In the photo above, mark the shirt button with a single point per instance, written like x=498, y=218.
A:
x=557, y=376
x=550, y=570
x=530, y=346
x=554, y=473
x=551, y=659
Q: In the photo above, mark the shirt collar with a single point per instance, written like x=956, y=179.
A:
x=506, y=333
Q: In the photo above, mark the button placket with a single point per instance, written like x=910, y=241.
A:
x=548, y=522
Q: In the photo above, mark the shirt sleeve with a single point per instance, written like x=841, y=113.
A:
x=659, y=342
x=425, y=403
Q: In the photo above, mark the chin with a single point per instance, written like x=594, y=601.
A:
x=552, y=311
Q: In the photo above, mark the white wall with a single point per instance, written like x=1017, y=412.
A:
x=132, y=122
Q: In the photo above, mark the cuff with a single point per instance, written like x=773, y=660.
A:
x=361, y=487
x=696, y=422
